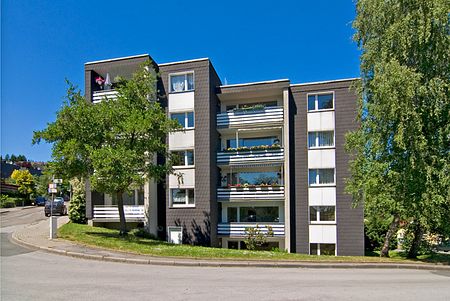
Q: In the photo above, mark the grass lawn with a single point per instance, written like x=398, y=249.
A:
x=110, y=239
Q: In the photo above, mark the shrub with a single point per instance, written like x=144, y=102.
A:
x=6, y=202
x=142, y=233
x=77, y=207
x=256, y=238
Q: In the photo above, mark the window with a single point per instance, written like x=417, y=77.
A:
x=251, y=142
x=321, y=176
x=182, y=197
x=322, y=249
x=320, y=139
x=181, y=82
x=186, y=119
x=322, y=213
x=230, y=108
x=320, y=102
x=232, y=214
x=254, y=178
x=259, y=214
x=183, y=158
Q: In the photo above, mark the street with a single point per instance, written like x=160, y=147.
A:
x=36, y=275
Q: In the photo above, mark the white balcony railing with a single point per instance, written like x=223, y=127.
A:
x=265, y=116
x=133, y=213
x=250, y=157
x=238, y=229
x=251, y=193
x=98, y=96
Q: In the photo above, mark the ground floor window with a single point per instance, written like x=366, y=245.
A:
x=175, y=235
x=322, y=249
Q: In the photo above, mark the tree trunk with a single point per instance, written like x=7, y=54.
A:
x=123, y=222
x=391, y=232
x=415, y=245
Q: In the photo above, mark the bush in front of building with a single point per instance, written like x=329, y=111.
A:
x=77, y=207
x=6, y=202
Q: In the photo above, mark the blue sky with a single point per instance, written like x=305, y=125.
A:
x=43, y=42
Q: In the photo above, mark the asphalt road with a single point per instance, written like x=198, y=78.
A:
x=36, y=275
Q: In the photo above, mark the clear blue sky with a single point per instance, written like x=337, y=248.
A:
x=43, y=42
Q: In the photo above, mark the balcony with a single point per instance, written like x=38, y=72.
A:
x=251, y=118
x=251, y=193
x=238, y=229
x=250, y=157
x=110, y=213
x=98, y=96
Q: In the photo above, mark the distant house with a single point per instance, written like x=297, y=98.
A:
x=7, y=169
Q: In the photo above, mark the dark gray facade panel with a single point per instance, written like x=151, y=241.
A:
x=300, y=171
x=235, y=89
x=350, y=228
x=350, y=221
x=196, y=222
x=214, y=142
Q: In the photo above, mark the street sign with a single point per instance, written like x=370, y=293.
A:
x=57, y=181
x=51, y=185
x=52, y=190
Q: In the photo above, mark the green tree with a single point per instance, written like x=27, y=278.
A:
x=400, y=169
x=112, y=143
x=24, y=179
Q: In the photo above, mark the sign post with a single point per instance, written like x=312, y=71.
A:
x=53, y=188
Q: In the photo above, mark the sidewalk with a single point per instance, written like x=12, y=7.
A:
x=36, y=237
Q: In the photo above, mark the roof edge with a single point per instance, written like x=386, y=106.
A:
x=256, y=83
x=185, y=61
x=326, y=81
x=118, y=59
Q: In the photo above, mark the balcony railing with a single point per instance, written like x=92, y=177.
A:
x=133, y=213
x=238, y=229
x=264, y=116
x=251, y=193
x=98, y=96
x=250, y=157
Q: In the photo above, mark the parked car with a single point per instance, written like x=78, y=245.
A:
x=443, y=246
x=40, y=201
x=59, y=207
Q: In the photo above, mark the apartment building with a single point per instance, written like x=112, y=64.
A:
x=267, y=155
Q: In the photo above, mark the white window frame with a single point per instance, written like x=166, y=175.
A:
x=185, y=158
x=317, y=183
x=186, y=201
x=174, y=229
x=316, y=101
x=186, y=119
x=185, y=73
x=316, y=146
x=318, y=221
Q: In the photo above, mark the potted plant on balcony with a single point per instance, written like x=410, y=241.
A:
x=100, y=81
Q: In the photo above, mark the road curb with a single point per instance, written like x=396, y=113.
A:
x=164, y=261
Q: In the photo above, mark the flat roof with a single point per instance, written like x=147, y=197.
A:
x=118, y=59
x=255, y=83
x=326, y=81
x=185, y=61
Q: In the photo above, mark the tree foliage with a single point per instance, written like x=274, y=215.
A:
x=112, y=143
x=401, y=165
x=24, y=179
